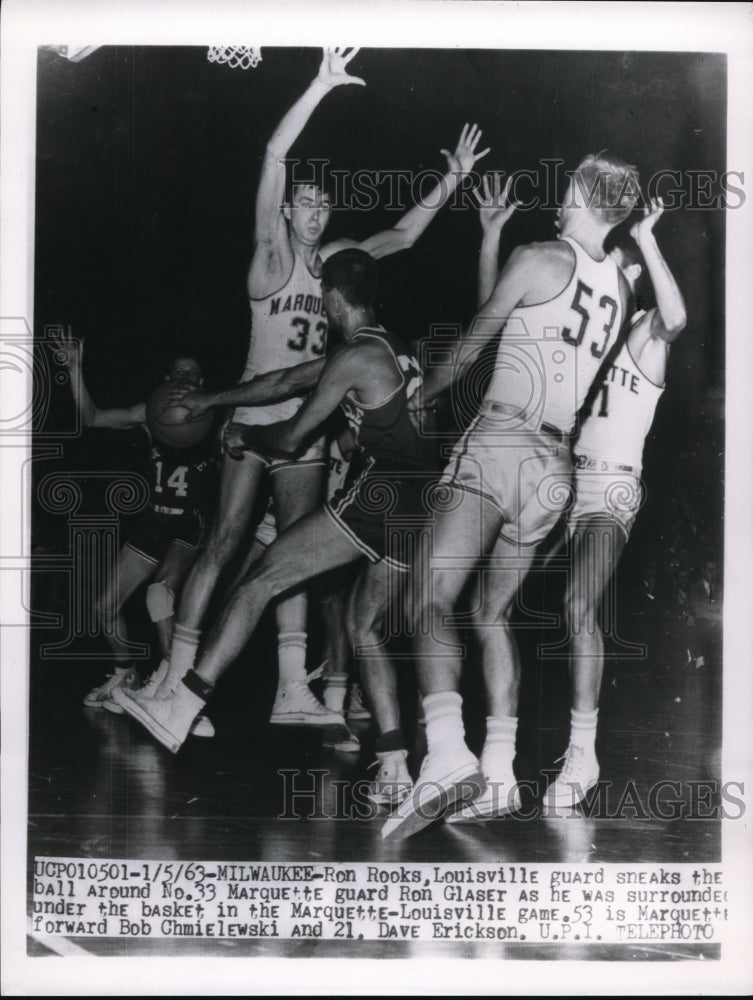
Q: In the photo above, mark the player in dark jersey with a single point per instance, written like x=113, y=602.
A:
x=164, y=538
x=288, y=328
x=371, y=377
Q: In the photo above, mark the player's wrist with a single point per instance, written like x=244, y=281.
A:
x=321, y=82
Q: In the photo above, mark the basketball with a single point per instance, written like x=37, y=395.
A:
x=172, y=424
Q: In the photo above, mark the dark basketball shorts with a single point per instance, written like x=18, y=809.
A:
x=155, y=530
x=378, y=506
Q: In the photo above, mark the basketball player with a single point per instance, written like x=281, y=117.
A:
x=371, y=378
x=559, y=307
x=164, y=539
x=608, y=493
x=288, y=328
x=333, y=606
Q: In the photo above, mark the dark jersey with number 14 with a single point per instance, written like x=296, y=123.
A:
x=180, y=479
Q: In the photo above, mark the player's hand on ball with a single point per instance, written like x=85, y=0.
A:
x=233, y=439
x=332, y=70
x=651, y=215
x=494, y=207
x=465, y=156
x=197, y=402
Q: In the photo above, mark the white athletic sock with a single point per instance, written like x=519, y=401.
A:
x=291, y=652
x=499, y=745
x=444, y=722
x=583, y=729
x=335, y=688
x=182, y=652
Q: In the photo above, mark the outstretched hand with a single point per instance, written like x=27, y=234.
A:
x=332, y=70
x=465, y=156
x=494, y=208
x=71, y=351
x=651, y=215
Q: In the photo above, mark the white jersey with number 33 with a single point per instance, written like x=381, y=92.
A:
x=287, y=328
x=549, y=353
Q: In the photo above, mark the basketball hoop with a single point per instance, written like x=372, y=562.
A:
x=236, y=56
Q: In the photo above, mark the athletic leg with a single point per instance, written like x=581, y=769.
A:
x=166, y=585
x=311, y=546
x=296, y=491
x=132, y=569
x=367, y=609
x=239, y=484
x=492, y=603
x=597, y=544
x=333, y=606
x=450, y=773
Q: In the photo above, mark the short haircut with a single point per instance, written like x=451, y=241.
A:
x=610, y=185
x=353, y=273
x=294, y=181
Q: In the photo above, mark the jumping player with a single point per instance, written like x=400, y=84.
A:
x=371, y=378
x=559, y=307
x=608, y=492
x=165, y=538
x=288, y=328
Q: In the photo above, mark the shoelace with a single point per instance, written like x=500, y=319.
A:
x=569, y=757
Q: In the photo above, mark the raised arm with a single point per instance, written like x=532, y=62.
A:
x=494, y=211
x=405, y=232
x=669, y=318
x=341, y=373
x=650, y=337
x=273, y=256
x=91, y=415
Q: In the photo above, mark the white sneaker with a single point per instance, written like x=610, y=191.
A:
x=579, y=774
x=392, y=784
x=356, y=709
x=340, y=738
x=97, y=697
x=295, y=705
x=169, y=720
x=153, y=681
x=446, y=779
x=500, y=797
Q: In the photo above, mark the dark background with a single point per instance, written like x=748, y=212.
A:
x=148, y=160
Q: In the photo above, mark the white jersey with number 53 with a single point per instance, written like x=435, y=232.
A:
x=549, y=353
x=287, y=328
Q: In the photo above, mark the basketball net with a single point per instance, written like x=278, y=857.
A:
x=236, y=56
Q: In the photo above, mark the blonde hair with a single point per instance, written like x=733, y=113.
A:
x=610, y=184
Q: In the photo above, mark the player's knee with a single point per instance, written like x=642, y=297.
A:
x=160, y=601
x=268, y=573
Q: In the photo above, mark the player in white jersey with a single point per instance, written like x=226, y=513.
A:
x=289, y=328
x=608, y=458
x=559, y=307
